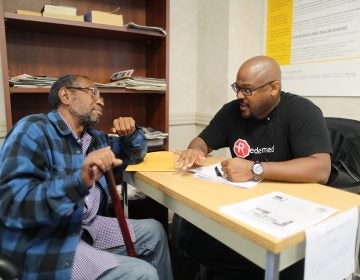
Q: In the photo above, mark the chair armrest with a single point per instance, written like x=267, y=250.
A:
x=8, y=270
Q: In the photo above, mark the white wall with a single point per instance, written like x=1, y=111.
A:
x=209, y=39
x=183, y=71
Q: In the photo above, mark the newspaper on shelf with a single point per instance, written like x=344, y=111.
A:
x=154, y=137
x=25, y=80
x=137, y=83
x=145, y=27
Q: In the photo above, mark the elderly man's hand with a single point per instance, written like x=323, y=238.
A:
x=123, y=126
x=96, y=163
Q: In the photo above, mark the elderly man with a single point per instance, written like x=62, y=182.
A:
x=53, y=194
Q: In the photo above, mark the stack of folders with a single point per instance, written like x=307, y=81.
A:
x=61, y=12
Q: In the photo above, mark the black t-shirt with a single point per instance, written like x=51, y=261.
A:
x=295, y=128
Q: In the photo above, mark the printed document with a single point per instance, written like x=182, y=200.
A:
x=330, y=247
x=278, y=214
x=213, y=173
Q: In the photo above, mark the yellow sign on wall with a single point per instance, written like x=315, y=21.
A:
x=279, y=30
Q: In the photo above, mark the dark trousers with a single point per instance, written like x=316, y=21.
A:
x=221, y=261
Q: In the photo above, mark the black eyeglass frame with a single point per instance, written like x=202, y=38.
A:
x=247, y=91
x=93, y=91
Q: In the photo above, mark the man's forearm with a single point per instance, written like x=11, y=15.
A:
x=199, y=144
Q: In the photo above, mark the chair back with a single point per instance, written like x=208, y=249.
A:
x=345, y=162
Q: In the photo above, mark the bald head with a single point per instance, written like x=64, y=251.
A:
x=259, y=70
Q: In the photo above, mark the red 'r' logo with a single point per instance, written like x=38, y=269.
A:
x=241, y=148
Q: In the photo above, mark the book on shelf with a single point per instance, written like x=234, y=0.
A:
x=63, y=16
x=104, y=18
x=28, y=12
x=59, y=9
x=145, y=27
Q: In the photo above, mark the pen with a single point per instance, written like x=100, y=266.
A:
x=217, y=171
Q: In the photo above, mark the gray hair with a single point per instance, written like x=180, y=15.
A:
x=64, y=81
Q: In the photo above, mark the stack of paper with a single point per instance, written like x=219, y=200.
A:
x=154, y=137
x=26, y=80
x=145, y=27
x=140, y=83
x=136, y=83
x=209, y=173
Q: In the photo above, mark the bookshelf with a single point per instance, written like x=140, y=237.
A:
x=41, y=46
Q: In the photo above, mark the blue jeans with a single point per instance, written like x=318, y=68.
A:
x=153, y=257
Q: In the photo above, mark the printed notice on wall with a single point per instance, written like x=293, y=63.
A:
x=317, y=43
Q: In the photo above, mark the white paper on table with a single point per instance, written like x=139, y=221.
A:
x=278, y=214
x=208, y=173
x=330, y=247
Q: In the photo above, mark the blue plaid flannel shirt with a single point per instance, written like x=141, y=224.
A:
x=42, y=192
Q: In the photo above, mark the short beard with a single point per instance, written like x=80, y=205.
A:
x=85, y=121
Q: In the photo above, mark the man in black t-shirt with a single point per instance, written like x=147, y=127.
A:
x=272, y=135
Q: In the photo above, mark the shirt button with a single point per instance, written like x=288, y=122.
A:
x=66, y=264
x=78, y=152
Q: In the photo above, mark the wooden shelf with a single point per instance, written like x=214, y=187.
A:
x=73, y=27
x=42, y=46
x=31, y=90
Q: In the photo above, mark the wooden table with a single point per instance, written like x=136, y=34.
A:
x=198, y=201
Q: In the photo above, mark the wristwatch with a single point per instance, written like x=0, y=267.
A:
x=258, y=171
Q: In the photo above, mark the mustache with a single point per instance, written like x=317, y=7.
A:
x=98, y=108
x=242, y=102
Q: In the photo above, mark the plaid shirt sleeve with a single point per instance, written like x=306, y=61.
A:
x=37, y=185
x=131, y=149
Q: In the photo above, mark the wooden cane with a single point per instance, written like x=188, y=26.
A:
x=109, y=175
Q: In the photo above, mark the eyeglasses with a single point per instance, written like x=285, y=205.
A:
x=93, y=91
x=247, y=91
